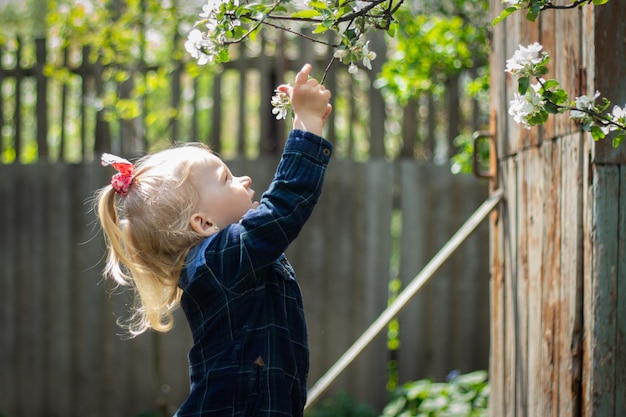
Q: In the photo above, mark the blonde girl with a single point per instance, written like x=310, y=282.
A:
x=183, y=231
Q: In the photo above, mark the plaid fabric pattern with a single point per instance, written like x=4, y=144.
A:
x=250, y=355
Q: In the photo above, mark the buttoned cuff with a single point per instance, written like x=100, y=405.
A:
x=309, y=144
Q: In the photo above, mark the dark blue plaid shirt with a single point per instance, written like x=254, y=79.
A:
x=250, y=354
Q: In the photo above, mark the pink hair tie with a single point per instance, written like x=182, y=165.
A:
x=126, y=172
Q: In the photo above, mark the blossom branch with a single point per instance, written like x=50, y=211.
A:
x=577, y=3
x=534, y=7
x=533, y=103
x=256, y=26
x=225, y=22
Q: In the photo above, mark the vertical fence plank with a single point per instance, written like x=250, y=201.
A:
x=620, y=310
x=510, y=262
x=32, y=286
x=601, y=297
x=375, y=280
x=520, y=310
x=9, y=309
x=551, y=272
x=439, y=288
x=499, y=228
x=89, y=299
x=339, y=221
x=536, y=218
x=59, y=222
x=496, y=315
x=415, y=211
x=569, y=341
x=475, y=254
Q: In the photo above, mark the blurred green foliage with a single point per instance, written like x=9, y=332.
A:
x=464, y=395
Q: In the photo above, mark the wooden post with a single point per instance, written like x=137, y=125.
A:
x=558, y=257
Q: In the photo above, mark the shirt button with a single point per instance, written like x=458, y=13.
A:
x=326, y=151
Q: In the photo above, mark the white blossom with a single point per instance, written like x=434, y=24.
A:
x=341, y=54
x=353, y=69
x=523, y=106
x=619, y=114
x=368, y=56
x=200, y=47
x=583, y=103
x=212, y=7
x=281, y=104
x=513, y=2
x=524, y=58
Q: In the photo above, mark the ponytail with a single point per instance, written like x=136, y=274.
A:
x=147, y=234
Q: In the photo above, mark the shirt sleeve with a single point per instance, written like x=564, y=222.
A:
x=238, y=252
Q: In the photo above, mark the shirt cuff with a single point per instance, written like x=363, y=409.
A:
x=310, y=144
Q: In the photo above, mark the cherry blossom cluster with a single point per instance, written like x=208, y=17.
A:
x=533, y=103
x=226, y=22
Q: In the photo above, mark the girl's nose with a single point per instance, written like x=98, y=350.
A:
x=246, y=181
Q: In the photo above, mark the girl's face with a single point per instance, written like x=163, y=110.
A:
x=224, y=198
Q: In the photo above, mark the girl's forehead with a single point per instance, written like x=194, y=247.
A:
x=211, y=164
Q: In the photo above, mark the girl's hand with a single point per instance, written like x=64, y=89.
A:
x=309, y=101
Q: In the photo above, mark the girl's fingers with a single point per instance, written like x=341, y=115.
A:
x=329, y=109
x=303, y=76
x=285, y=88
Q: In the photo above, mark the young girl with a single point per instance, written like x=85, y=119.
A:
x=181, y=229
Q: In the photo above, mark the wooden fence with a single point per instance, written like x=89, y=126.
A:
x=558, y=307
x=68, y=118
x=61, y=353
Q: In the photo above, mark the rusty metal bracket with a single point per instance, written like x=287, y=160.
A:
x=478, y=137
x=492, y=173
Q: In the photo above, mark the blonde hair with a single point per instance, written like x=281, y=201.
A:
x=148, y=233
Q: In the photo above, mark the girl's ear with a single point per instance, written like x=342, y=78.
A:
x=201, y=225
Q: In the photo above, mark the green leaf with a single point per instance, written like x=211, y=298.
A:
x=392, y=29
x=550, y=83
x=599, y=2
x=324, y=26
x=541, y=70
x=618, y=140
x=597, y=133
x=559, y=96
x=522, y=85
x=393, y=408
x=306, y=14
x=605, y=105
x=254, y=33
x=531, y=16
x=505, y=13
x=473, y=379
x=223, y=55
x=318, y=5
x=551, y=108
x=538, y=118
